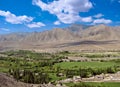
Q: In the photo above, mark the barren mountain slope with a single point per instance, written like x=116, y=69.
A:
x=100, y=32
x=51, y=36
x=74, y=38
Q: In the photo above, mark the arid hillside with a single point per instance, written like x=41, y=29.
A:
x=74, y=37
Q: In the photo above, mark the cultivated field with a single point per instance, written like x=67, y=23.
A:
x=62, y=67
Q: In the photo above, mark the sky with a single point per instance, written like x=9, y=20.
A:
x=40, y=15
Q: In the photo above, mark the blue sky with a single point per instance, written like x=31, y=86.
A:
x=39, y=15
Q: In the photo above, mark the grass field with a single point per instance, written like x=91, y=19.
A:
x=69, y=65
x=97, y=84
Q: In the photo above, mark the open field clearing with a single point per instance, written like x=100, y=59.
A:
x=72, y=65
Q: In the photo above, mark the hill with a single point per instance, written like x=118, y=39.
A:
x=6, y=81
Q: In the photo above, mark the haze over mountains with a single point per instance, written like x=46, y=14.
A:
x=71, y=34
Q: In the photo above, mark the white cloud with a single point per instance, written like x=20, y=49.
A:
x=35, y=25
x=98, y=15
x=5, y=29
x=87, y=19
x=13, y=19
x=57, y=23
x=67, y=11
x=102, y=21
x=68, y=18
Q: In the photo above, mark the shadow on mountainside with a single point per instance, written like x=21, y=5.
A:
x=87, y=43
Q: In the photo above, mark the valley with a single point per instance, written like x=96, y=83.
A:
x=58, y=68
x=72, y=57
x=59, y=43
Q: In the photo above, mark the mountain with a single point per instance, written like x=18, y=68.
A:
x=50, y=36
x=72, y=35
x=46, y=36
x=100, y=32
x=13, y=37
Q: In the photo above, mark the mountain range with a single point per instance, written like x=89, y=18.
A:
x=73, y=33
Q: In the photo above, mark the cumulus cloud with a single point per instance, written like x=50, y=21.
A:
x=57, y=23
x=67, y=11
x=98, y=15
x=87, y=19
x=13, y=19
x=102, y=21
x=35, y=25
